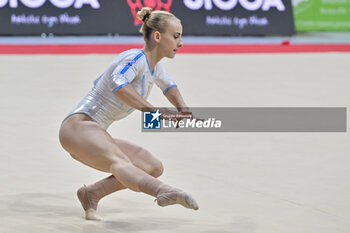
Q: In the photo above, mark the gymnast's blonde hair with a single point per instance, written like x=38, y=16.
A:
x=153, y=21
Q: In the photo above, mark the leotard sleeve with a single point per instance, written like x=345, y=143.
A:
x=163, y=80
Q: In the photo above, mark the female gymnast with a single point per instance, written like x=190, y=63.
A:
x=122, y=88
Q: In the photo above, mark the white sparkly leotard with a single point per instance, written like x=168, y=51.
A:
x=130, y=67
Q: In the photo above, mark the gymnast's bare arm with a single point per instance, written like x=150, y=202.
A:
x=128, y=95
x=174, y=96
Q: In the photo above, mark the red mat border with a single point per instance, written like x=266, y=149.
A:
x=285, y=47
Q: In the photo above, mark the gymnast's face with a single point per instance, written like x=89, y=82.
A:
x=171, y=40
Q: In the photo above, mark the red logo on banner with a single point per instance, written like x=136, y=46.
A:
x=136, y=5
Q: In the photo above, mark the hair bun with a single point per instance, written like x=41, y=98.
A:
x=144, y=13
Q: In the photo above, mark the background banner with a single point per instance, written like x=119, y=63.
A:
x=236, y=17
x=322, y=15
x=199, y=17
